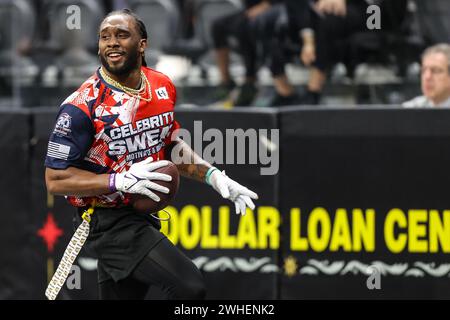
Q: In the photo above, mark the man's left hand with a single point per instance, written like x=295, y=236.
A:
x=230, y=189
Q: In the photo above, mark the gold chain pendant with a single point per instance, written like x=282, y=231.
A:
x=136, y=93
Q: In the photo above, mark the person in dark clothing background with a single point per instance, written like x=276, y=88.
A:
x=238, y=25
x=322, y=28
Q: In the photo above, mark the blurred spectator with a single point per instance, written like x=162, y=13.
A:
x=435, y=79
x=276, y=30
x=326, y=24
x=323, y=29
x=186, y=8
x=239, y=26
x=265, y=28
x=18, y=21
x=17, y=29
x=434, y=20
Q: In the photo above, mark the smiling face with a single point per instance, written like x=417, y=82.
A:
x=120, y=46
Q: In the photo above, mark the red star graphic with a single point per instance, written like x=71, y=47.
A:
x=50, y=232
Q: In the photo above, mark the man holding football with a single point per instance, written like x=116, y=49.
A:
x=110, y=138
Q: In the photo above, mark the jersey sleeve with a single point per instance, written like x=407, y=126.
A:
x=71, y=138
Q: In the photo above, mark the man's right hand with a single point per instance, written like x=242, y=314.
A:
x=138, y=179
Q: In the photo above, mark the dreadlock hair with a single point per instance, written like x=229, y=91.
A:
x=139, y=24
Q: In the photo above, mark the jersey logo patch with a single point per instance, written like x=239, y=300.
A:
x=162, y=94
x=58, y=150
x=63, y=124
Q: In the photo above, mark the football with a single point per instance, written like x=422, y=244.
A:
x=144, y=204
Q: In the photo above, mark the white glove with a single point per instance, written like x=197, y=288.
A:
x=138, y=179
x=230, y=189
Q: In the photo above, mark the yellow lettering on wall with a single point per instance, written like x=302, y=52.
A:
x=417, y=229
x=225, y=240
x=268, y=224
x=247, y=231
x=319, y=242
x=189, y=227
x=363, y=231
x=170, y=228
x=395, y=217
x=297, y=242
x=439, y=231
x=208, y=240
x=340, y=237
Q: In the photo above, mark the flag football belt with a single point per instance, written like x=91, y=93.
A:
x=70, y=254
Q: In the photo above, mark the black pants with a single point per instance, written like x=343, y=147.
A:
x=166, y=267
x=270, y=28
x=331, y=34
x=238, y=26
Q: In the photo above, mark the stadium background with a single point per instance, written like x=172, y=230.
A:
x=361, y=181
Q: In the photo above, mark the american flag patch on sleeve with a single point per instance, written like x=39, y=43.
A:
x=58, y=151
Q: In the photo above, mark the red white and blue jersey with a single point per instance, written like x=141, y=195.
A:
x=102, y=129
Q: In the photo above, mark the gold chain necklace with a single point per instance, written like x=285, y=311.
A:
x=136, y=93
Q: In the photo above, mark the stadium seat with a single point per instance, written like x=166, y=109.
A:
x=206, y=11
x=91, y=15
x=78, y=59
x=17, y=16
x=17, y=24
x=434, y=20
x=164, y=19
x=161, y=17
